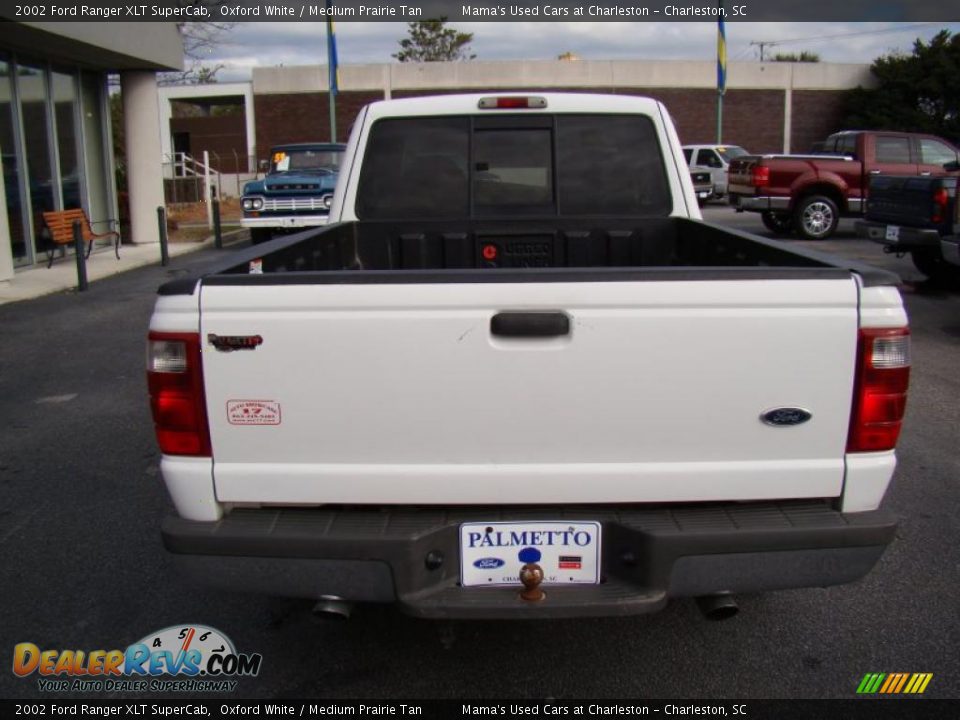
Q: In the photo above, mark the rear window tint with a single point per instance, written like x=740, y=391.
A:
x=610, y=164
x=512, y=166
x=417, y=168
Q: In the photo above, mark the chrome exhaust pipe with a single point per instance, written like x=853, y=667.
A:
x=333, y=606
x=718, y=607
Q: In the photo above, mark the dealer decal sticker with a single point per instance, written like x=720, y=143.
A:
x=253, y=412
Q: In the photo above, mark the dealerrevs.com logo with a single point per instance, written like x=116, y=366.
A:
x=180, y=658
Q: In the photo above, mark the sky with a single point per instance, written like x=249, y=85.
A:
x=269, y=44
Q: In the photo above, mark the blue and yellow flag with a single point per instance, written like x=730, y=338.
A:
x=721, y=53
x=332, y=66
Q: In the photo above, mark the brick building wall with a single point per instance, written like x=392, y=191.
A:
x=816, y=114
x=751, y=118
x=291, y=102
x=224, y=137
x=305, y=117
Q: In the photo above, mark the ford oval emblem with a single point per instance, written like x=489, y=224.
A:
x=488, y=563
x=785, y=416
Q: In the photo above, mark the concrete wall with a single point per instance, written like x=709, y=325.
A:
x=199, y=92
x=102, y=45
x=612, y=75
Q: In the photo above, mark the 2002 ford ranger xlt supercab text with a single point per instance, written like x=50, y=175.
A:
x=518, y=346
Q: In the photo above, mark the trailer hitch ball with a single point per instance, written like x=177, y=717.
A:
x=531, y=575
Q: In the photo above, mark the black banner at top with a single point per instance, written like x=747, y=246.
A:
x=482, y=10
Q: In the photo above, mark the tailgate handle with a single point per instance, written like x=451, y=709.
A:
x=530, y=324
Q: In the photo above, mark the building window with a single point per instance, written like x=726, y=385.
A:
x=53, y=140
x=32, y=89
x=11, y=168
x=65, y=106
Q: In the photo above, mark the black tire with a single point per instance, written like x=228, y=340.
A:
x=777, y=223
x=935, y=267
x=260, y=235
x=816, y=217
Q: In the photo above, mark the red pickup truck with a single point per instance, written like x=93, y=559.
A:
x=809, y=194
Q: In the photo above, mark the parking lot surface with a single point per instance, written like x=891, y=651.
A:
x=83, y=566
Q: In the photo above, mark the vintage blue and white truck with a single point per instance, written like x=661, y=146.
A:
x=296, y=192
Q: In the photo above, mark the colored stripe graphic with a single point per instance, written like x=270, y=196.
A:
x=721, y=53
x=894, y=683
x=333, y=65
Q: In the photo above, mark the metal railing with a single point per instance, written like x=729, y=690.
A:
x=187, y=179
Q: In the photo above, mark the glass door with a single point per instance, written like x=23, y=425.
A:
x=16, y=217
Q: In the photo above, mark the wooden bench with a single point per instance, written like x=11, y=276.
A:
x=60, y=226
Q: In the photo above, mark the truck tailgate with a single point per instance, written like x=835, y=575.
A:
x=910, y=201
x=401, y=393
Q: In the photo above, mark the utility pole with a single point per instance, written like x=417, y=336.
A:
x=764, y=43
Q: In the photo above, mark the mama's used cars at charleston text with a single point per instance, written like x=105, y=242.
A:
x=517, y=376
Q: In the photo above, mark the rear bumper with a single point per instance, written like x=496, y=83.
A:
x=649, y=554
x=950, y=249
x=759, y=203
x=908, y=238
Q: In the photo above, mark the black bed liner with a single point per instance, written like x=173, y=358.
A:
x=549, y=250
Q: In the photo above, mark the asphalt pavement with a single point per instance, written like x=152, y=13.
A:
x=83, y=567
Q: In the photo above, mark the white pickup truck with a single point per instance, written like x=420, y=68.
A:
x=517, y=345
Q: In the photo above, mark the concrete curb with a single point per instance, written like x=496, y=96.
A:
x=39, y=281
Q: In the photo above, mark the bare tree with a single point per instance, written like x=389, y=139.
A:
x=199, y=41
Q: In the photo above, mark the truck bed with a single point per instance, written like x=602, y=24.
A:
x=630, y=248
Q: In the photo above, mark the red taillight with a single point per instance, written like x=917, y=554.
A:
x=175, y=380
x=940, y=202
x=880, y=390
x=760, y=176
x=512, y=102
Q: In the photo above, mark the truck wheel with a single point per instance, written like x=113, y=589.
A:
x=935, y=267
x=777, y=223
x=259, y=235
x=816, y=217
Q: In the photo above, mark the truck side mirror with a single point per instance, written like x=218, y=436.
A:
x=952, y=166
x=263, y=165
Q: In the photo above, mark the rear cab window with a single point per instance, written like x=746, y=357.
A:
x=893, y=150
x=513, y=165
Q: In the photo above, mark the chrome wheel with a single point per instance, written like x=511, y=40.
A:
x=817, y=218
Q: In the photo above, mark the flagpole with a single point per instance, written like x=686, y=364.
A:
x=332, y=84
x=721, y=70
x=719, y=118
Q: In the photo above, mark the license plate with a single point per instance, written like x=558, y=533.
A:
x=492, y=553
x=893, y=233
